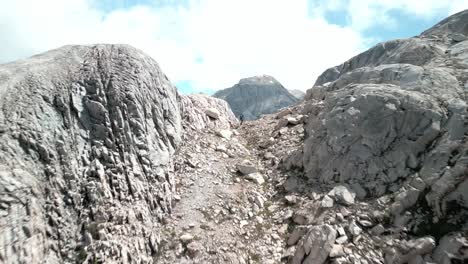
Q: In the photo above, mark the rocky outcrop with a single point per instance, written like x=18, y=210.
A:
x=256, y=96
x=392, y=122
x=87, y=139
x=201, y=111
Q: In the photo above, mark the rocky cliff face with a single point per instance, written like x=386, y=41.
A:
x=391, y=124
x=255, y=96
x=87, y=139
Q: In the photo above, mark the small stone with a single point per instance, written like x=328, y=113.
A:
x=342, y=195
x=341, y=231
x=291, y=199
x=268, y=156
x=377, y=230
x=185, y=238
x=458, y=37
x=246, y=168
x=345, y=212
x=221, y=148
x=275, y=236
x=212, y=112
x=337, y=251
x=283, y=131
x=354, y=229
x=283, y=113
x=243, y=223
x=283, y=229
x=342, y=239
x=294, y=120
x=255, y=177
x=420, y=246
x=224, y=133
x=287, y=214
x=340, y=217
x=365, y=223
x=327, y=202
x=283, y=122
x=317, y=244
x=193, y=249
x=258, y=201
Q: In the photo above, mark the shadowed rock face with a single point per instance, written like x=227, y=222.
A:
x=87, y=134
x=255, y=96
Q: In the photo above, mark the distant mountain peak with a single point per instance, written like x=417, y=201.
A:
x=259, y=79
x=255, y=96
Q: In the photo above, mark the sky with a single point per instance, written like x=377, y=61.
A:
x=208, y=45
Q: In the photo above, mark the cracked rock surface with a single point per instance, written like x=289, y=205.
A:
x=391, y=125
x=87, y=134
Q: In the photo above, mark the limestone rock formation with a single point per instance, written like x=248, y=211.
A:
x=87, y=139
x=201, y=111
x=392, y=122
x=255, y=96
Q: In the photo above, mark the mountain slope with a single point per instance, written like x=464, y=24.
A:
x=391, y=124
x=255, y=96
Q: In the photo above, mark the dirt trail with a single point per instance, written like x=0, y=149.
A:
x=221, y=217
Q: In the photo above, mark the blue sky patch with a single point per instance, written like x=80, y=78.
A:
x=339, y=17
x=111, y=5
x=406, y=26
x=186, y=87
x=199, y=60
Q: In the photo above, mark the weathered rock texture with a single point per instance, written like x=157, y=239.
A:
x=255, y=96
x=196, y=110
x=393, y=121
x=87, y=136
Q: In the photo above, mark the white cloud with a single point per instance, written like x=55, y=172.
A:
x=234, y=39
x=364, y=14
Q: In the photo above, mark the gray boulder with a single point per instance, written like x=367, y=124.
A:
x=315, y=246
